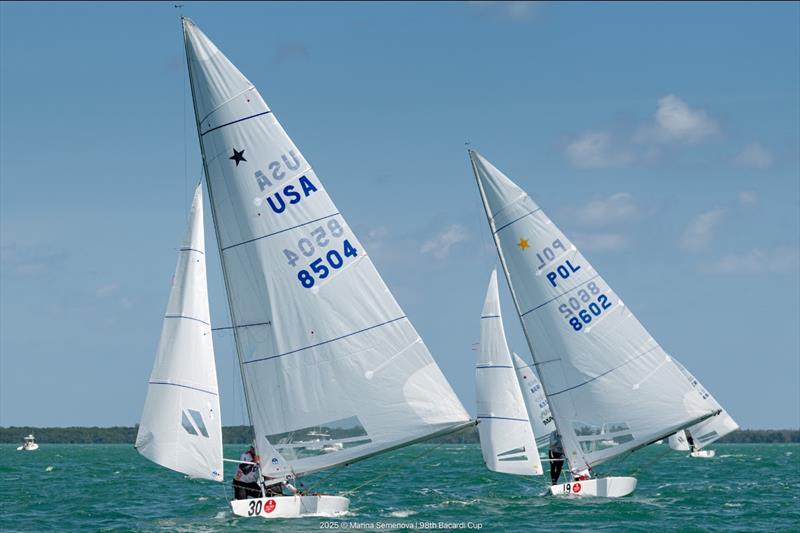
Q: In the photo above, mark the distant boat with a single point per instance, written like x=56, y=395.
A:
x=28, y=444
x=322, y=344
x=610, y=386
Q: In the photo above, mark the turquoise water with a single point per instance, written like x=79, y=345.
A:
x=111, y=488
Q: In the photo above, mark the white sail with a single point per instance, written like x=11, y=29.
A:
x=323, y=345
x=535, y=402
x=507, y=439
x=610, y=386
x=708, y=431
x=677, y=441
x=181, y=426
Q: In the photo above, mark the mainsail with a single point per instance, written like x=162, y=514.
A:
x=507, y=439
x=333, y=370
x=181, y=425
x=610, y=386
x=535, y=401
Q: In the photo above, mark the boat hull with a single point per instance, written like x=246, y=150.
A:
x=291, y=506
x=703, y=453
x=604, y=487
x=30, y=448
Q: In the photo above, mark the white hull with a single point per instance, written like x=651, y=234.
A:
x=703, y=453
x=291, y=506
x=30, y=448
x=605, y=487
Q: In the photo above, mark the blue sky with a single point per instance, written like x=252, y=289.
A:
x=663, y=138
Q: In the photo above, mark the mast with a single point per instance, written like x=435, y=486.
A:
x=235, y=329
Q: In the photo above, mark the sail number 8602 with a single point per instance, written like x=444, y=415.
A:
x=596, y=303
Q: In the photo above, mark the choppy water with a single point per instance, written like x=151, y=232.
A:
x=110, y=487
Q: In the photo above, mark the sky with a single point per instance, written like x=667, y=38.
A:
x=663, y=138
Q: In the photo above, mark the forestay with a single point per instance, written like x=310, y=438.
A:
x=507, y=439
x=610, y=386
x=333, y=369
x=180, y=426
x=535, y=401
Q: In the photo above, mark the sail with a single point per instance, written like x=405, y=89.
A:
x=333, y=370
x=181, y=426
x=679, y=442
x=507, y=439
x=708, y=431
x=610, y=386
x=535, y=402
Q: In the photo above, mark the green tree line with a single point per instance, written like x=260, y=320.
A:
x=244, y=434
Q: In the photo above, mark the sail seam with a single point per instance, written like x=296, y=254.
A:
x=188, y=318
x=279, y=231
x=491, y=316
x=606, y=372
x=192, y=250
x=184, y=386
x=323, y=342
x=492, y=366
x=502, y=418
x=235, y=121
x=579, y=285
x=516, y=219
x=242, y=326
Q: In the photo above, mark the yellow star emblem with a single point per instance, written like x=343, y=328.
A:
x=523, y=243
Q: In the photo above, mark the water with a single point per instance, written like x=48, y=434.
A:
x=111, y=488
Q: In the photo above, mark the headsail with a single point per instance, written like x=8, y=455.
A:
x=610, y=386
x=324, y=347
x=535, y=401
x=507, y=439
x=679, y=442
x=181, y=425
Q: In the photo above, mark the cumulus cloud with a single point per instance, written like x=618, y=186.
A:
x=439, y=245
x=754, y=155
x=596, y=149
x=619, y=207
x=600, y=242
x=748, y=198
x=757, y=261
x=674, y=122
x=700, y=231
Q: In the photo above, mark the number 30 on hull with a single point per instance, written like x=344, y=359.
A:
x=291, y=506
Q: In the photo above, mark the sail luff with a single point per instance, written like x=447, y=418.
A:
x=260, y=447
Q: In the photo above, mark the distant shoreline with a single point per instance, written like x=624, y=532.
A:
x=243, y=434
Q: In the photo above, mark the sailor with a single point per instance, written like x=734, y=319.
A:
x=245, y=482
x=556, y=457
x=276, y=488
x=690, y=441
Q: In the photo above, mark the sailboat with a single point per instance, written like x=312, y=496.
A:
x=611, y=388
x=323, y=346
x=28, y=444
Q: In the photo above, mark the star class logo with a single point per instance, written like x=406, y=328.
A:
x=238, y=156
x=523, y=244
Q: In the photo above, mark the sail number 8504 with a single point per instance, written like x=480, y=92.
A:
x=322, y=266
x=595, y=302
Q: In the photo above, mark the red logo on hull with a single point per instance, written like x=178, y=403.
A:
x=576, y=487
x=269, y=506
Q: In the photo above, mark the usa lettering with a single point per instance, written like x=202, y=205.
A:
x=289, y=195
x=276, y=170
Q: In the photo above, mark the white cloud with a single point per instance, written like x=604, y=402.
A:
x=439, y=246
x=619, y=207
x=517, y=10
x=754, y=155
x=757, y=261
x=700, y=231
x=748, y=198
x=108, y=288
x=596, y=149
x=600, y=242
x=675, y=121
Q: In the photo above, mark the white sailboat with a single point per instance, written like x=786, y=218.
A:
x=507, y=439
x=28, y=444
x=323, y=346
x=610, y=386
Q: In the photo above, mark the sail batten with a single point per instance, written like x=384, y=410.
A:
x=609, y=384
x=333, y=370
